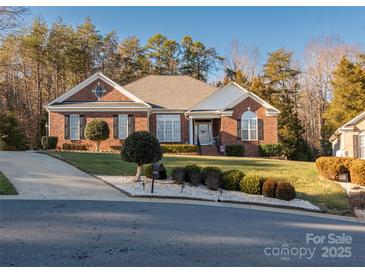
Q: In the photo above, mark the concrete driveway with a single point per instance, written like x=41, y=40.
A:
x=36, y=175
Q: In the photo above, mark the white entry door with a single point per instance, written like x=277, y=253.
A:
x=204, y=132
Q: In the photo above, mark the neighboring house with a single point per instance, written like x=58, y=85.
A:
x=349, y=140
x=176, y=109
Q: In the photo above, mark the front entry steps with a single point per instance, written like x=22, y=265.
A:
x=210, y=150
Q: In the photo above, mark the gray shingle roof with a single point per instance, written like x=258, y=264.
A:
x=170, y=92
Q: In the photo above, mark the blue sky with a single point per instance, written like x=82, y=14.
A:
x=268, y=28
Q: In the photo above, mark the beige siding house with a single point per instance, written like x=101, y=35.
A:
x=349, y=140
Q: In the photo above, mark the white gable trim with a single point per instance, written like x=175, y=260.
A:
x=270, y=110
x=91, y=79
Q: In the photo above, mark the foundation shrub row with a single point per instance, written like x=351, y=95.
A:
x=234, y=180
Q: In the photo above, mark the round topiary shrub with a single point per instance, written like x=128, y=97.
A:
x=213, y=180
x=357, y=172
x=141, y=147
x=52, y=142
x=196, y=178
x=285, y=191
x=189, y=170
x=97, y=130
x=210, y=169
x=178, y=174
x=212, y=177
x=162, y=175
x=231, y=179
x=269, y=187
x=252, y=184
x=235, y=150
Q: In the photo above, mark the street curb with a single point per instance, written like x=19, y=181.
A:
x=192, y=198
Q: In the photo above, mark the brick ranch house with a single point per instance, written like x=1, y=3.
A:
x=176, y=109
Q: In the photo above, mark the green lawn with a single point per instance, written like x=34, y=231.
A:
x=6, y=188
x=303, y=175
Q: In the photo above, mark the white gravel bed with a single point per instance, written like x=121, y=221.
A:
x=169, y=188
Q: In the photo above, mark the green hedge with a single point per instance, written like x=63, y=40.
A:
x=52, y=142
x=72, y=146
x=270, y=150
x=179, y=148
x=235, y=150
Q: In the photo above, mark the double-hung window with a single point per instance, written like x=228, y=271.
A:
x=74, y=127
x=123, y=126
x=168, y=128
x=249, y=126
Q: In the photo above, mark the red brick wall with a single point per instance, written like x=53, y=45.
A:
x=229, y=127
x=57, y=125
x=86, y=93
x=184, y=126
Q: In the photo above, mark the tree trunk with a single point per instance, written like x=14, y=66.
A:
x=97, y=146
x=139, y=173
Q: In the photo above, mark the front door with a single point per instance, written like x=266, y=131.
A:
x=204, y=132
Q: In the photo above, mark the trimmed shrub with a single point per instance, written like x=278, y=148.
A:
x=213, y=180
x=269, y=188
x=97, y=130
x=235, y=150
x=270, y=150
x=251, y=184
x=179, y=148
x=231, y=179
x=209, y=169
x=332, y=167
x=285, y=191
x=178, y=174
x=189, y=169
x=162, y=175
x=357, y=171
x=196, y=178
x=212, y=177
x=52, y=142
x=73, y=146
x=141, y=147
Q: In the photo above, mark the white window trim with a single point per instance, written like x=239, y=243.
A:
x=172, y=118
x=249, y=127
x=361, y=135
x=78, y=127
x=119, y=126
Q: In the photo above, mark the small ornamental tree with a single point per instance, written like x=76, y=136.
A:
x=97, y=130
x=141, y=147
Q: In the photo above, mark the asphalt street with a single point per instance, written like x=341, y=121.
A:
x=122, y=233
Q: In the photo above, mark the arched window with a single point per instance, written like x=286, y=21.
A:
x=249, y=126
x=362, y=144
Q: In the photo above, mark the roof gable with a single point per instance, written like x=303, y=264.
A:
x=229, y=96
x=85, y=85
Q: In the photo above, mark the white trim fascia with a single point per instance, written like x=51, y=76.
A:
x=93, y=78
x=257, y=99
x=246, y=93
x=355, y=120
x=168, y=111
x=99, y=109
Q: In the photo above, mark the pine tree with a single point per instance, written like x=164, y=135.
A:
x=348, y=101
x=282, y=91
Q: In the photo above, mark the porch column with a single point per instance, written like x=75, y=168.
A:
x=191, y=139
